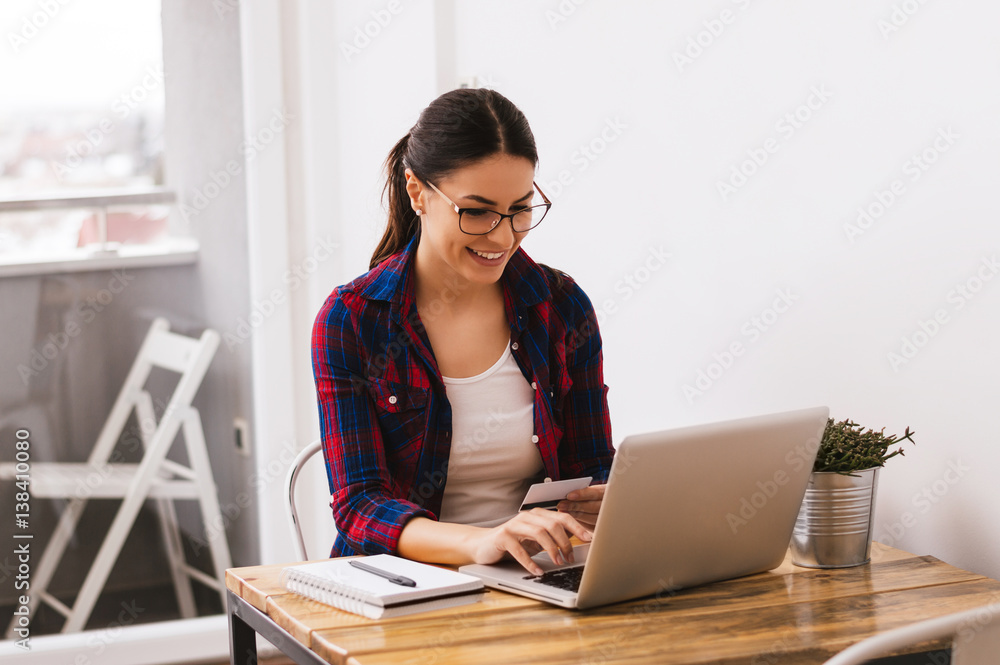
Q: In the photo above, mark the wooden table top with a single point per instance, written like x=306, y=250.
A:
x=787, y=615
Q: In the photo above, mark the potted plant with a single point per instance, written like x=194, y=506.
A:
x=834, y=526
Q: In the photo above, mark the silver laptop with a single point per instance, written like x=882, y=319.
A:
x=683, y=507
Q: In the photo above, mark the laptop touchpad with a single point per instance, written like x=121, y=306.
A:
x=546, y=563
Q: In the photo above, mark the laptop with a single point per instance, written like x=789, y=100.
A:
x=683, y=507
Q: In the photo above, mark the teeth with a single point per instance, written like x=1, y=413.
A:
x=488, y=255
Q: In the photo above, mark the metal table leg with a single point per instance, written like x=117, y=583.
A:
x=242, y=638
x=246, y=621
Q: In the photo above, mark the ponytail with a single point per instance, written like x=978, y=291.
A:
x=458, y=128
x=402, y=218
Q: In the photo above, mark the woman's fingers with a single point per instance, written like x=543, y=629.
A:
x=537, y=530
x=520, y=537
x=520, y=554
x=547, y=532
x=569, y=523
x=592, y=493
x=585, y=512
x=584, y=504
x=582, y=514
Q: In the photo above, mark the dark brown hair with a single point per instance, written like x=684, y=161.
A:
x=458, y=128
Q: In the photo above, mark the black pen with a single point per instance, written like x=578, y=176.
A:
x=395, y=579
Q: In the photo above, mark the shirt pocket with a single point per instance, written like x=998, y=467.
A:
x=401, y=411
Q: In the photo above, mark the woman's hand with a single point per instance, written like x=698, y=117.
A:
x=528, y=533
x=584, y=504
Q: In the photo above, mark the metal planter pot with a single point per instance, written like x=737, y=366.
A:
x=834, y=526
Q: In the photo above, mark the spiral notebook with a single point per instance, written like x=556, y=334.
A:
x=337, y=583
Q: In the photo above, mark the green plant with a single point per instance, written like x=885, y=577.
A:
x=847, y=447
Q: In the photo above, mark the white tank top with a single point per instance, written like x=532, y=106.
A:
x=493, y=459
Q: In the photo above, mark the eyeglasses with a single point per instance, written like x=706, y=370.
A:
x=479, y=221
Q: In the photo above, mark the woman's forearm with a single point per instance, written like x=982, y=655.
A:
x=424, y=539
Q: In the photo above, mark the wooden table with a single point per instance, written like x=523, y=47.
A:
x=788, y=615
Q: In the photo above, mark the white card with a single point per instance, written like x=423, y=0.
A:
x=548, y=495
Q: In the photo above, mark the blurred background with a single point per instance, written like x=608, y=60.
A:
x=770, y=206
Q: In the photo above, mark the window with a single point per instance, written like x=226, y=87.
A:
x=83, y=118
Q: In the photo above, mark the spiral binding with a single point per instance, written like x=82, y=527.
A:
x=342, y=596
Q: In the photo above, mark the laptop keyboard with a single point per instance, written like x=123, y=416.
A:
x=564, y=578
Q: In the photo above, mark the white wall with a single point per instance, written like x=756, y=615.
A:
x=670, y=135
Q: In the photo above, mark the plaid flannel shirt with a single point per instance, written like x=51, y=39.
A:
x=385, y=418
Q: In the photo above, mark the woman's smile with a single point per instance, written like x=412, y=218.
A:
x=486, y=258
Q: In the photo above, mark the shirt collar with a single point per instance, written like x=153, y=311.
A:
x=524, y=281
x=390, y=280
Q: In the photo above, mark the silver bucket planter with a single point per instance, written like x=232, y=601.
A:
x=834, y=526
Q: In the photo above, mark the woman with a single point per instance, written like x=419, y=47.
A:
x=457, y=372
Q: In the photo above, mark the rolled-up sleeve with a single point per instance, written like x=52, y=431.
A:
x=368, y=505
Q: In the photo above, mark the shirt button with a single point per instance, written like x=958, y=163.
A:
x=534, y=386
x=392, y=399
x=534, y=438
x=514, y=346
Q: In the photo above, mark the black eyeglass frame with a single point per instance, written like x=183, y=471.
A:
x=547, y=205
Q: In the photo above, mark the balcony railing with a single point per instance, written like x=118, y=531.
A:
x=99, y=254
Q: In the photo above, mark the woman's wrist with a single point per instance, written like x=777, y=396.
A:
x=470, y=542
x=424, y=539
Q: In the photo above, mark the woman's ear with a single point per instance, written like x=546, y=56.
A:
x=415, y=190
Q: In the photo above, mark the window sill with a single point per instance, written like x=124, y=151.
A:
x=173, y=252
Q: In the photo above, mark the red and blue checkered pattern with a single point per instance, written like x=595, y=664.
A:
x=385, y=418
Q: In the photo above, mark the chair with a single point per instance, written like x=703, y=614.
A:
x=290, y=481
x=975, y=633
x=155, y=477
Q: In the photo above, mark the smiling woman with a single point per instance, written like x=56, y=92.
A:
x=457, y=371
